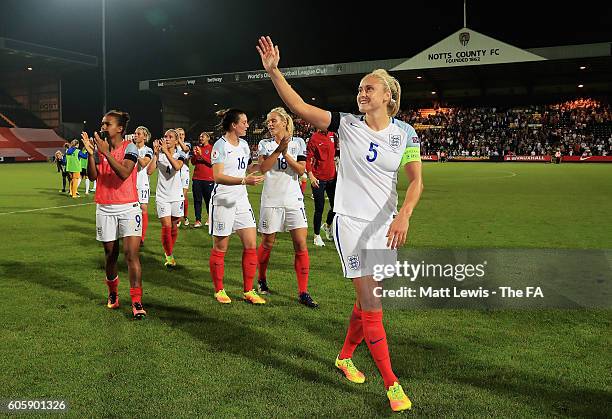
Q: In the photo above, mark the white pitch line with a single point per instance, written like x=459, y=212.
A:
x=47, y=208
x=512, y=174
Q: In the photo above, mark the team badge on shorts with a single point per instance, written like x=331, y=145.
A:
x=395, y=141
x=353, y=262
x=220, y=226
x=264, y=224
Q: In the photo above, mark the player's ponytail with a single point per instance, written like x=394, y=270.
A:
x=122, y=119
x=146, y=131
x=207, y=135
x=282, y=113
x=173, y=132
x=229, y=117
x=392, y=86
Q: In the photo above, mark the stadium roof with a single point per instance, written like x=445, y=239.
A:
x=465, y=64
x=18, y=55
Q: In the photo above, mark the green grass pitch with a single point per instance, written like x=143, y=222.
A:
x=194, y=357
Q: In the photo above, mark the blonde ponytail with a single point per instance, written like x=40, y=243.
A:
x=392, y=86
x=280, y=111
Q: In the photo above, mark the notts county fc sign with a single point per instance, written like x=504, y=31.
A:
x=467, y=47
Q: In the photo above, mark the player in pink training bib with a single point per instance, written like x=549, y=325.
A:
x=118, y=214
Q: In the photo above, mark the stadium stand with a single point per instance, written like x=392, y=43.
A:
x=31, y=122
x=575, y=127
x=24, y=136
x=37, y=142
x=14, y=115
x=4, y=122
x=28, y=144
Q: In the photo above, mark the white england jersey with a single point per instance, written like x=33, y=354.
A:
x=185, y=168
x=282, y=185
x=369, y=161
x=235, y=160
x=169, y=185
x=142, y=179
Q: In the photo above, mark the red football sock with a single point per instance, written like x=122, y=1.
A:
x=166, y=237
x=186, y=205
x=354, y=335
x=376, y=339
x=136, y=294
x=263, y=256
x=217, y=267
x=174, y=234
x=302, y=267
x=145, y=224
x=249, y=266
x=113, y=284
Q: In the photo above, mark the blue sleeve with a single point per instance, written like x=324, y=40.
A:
x=413, y=145
x=71, y=151
x=82, y=155
x=261, y=149
x=302, y=150
x=218, y=152
x=131, y=152
x=247, y=150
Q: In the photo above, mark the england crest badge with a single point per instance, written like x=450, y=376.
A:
x=395, y=141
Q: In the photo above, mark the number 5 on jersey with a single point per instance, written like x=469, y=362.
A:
x=374, y=153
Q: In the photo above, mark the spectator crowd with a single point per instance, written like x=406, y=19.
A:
x=577, y=127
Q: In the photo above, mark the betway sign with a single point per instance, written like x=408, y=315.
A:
x=467, y=47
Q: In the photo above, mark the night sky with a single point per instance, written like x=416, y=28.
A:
x=149, y=39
